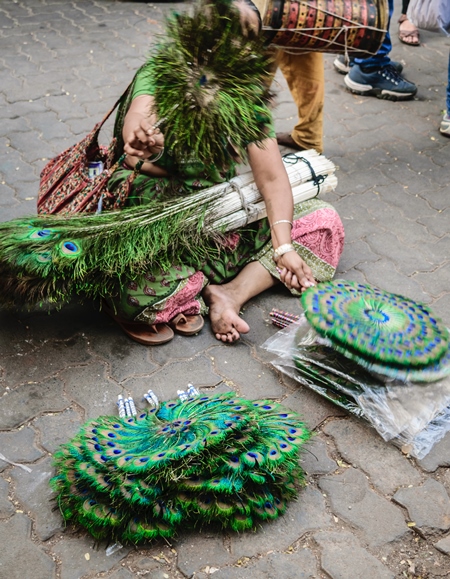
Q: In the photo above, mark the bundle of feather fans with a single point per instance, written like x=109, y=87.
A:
x=193, y=460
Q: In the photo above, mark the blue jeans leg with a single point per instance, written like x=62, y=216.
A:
x=381, y=58
x=448, y=87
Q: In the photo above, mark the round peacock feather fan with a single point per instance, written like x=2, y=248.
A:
x=210, y=84
x=206, y=459
x=377, y=328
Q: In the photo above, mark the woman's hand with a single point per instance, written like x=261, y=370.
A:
x=294, y=272
x=143, y=140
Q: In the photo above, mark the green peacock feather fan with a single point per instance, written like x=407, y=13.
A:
x=221, y=459
x=210, y=83
x=384, y=332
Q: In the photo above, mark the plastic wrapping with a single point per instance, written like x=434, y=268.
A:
x=414, y=416
x=433, y=15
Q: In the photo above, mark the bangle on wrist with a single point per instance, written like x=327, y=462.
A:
x=157, y=158
x=281, y=250
x=281, y=221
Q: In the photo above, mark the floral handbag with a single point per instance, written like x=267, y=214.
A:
x=77, y=179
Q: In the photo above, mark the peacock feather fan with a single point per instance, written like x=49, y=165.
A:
x=210, y=82
x=384, y=332
x=208, y=459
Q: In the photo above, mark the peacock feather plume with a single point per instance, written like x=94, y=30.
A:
x=53, y=258
x=206, y=459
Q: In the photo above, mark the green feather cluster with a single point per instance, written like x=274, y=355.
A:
x=210, y=82
x=207, y=459
x=54, y=258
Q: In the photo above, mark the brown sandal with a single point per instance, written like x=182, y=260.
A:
x=413, y=34
x=146, y=334
x=187, y=325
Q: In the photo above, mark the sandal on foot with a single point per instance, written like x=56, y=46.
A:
x=146, y=334
x=403, y=35
x=285, y=140
x=187, y=325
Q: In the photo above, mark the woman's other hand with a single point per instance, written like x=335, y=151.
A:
x=294, y=272
x=141, y=138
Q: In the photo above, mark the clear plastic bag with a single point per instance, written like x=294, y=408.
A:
x=431, y=15
x=414, y=416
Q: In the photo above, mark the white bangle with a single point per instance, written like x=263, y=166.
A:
x=279, y=251
x=157, y=158
x=281, y=221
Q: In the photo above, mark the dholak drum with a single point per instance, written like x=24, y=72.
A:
x=340, y=26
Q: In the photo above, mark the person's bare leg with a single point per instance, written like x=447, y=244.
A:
x=225, y=301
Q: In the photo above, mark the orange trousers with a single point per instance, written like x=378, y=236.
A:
x=304, y=74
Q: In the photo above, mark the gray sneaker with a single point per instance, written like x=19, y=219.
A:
x=342, y=65
x=445, y=125
x=384, y=83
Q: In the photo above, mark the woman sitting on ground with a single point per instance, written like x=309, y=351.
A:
x=298, y=246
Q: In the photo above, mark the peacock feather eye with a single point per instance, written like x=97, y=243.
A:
x=70, y=249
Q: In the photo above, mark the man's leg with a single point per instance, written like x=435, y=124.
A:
x=304, y=74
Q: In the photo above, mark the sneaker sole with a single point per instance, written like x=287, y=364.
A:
x=368, y=90
x=340, y=67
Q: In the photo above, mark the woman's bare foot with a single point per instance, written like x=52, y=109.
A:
x=224, y=306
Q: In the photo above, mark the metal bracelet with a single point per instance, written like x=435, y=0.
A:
x=281, y=221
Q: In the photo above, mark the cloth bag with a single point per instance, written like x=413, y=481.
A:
x=431, y=15
x=77, y=179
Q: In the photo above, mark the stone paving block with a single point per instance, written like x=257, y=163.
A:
x=6, y=506
x=356, y=252
x=19, y=446
x=443, y=545
x=184, y=346
x=57, y=428
x=124, y=358
x=312, y=408
x=197, y=550
x=315, y=458
x=25, y=559
x=437, y=198
x=406, y=262
x=438, y=456
x=384, y=274
x=253, y=379
x=122, y=573
x=15, y=336
x=433, y=282
x=175, y=376
x=436, y=224
x=79, y=557
x=44, y=362
x=34, y=494
x=428, y=506
x=352, y=500
x=29, y=400
x=337, y=549
x=299, y=564
x=388, y=469
x=304, y=515
x=90, y=387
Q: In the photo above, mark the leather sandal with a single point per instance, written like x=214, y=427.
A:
x=187, y=325
x=285, y=140
x=403, y=35
x=146, y=334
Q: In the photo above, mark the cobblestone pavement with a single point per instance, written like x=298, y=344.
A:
x=368, y=511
